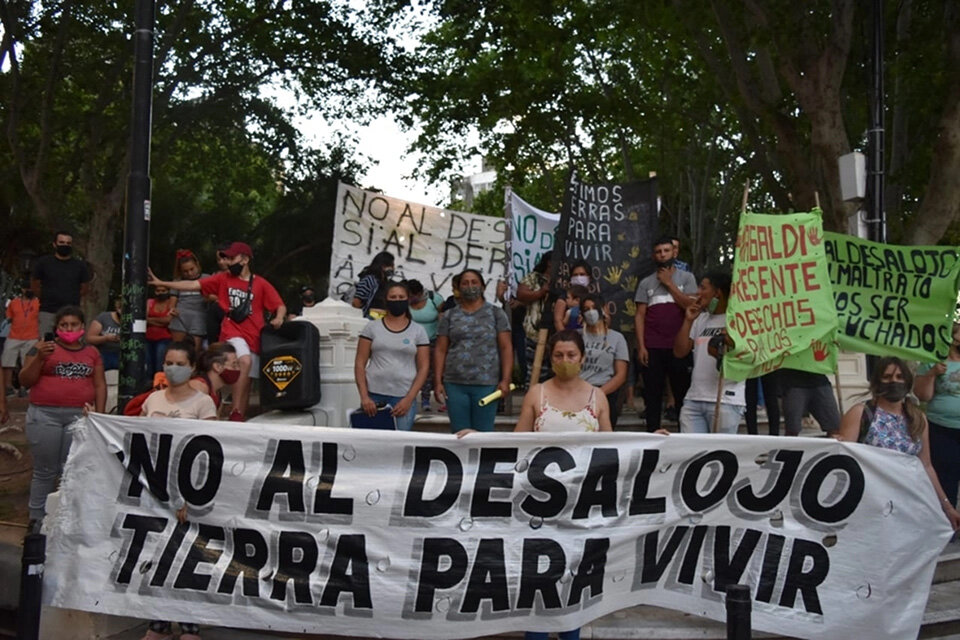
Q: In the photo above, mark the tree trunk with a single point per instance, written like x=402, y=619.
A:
x=941, y=202
x=99, y=253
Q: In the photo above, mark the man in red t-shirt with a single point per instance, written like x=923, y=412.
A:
x=234, y=288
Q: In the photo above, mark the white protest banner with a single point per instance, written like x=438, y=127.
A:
x=532, y=233
x=417, y=535
x=429, y=244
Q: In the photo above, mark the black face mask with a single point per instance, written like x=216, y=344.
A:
x=398, y=307
x=163, y=296
x=892, y=391
x=307, y=299
x=235, y=269
x=666, y=264
x=29, y=294
x=63, y=250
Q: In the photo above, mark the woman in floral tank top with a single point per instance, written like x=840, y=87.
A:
x=892, y=421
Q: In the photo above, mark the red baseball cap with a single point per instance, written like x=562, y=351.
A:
x=237, y=248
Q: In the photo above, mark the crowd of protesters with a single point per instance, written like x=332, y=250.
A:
x=203, y=341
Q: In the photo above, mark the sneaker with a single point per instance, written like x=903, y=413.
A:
x=11, y=392
x=24, y=392
x=236, y=416
x=442, y=408
x=425, y=406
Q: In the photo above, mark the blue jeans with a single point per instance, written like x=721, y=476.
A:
x=156, y=349
x=463, y=407
x=696, y=416
x=404, y=422
x=563, y=635
x=111, y=360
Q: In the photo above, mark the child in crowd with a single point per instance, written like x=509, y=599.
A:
x=571, y=318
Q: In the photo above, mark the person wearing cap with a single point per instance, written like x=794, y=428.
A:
x=308, y=298
x=243, y=298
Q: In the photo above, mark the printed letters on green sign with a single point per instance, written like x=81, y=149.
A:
x=781, y=304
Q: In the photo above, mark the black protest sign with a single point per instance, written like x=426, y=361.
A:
x=612, y=227
x=893, y=300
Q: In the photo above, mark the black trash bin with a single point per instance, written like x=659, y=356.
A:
x=289, y=366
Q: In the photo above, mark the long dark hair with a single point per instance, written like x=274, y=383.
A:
x=915, y=419
x=381, y=260
x=483, y=284
x=186, y=347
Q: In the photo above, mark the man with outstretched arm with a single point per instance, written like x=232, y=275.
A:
x=243, y=298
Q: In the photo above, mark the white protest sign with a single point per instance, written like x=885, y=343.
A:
x=429, y=244
x=416, y=535
x=532, y=234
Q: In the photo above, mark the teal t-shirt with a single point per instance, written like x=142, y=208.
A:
x=944, y=407
x=429, y=315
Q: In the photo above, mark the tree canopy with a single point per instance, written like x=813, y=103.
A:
x=705, y=94
x=225, y=151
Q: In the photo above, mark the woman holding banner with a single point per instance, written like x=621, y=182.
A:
x=939, y=386
x=473, y=357
x=566, y=403
x=892, y=421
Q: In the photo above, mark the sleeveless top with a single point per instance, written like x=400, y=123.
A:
x=889, y=431
x=555, y=420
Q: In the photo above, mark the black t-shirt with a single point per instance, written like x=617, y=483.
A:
x=61, y=280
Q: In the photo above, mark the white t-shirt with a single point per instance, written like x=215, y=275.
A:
x=703, y=382
x=199, y=406
x=392, y=366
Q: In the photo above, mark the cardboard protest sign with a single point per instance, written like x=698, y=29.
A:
x=419, y=535
x=780, y=300
x=430, y=244
x=893, y=300
x=612, y=227
x=532, y=234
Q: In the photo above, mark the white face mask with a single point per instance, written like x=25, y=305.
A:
x=583, y=281
x=591, y=317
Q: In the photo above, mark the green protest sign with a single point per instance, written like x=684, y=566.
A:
x=781, y=303
x=893, y=300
